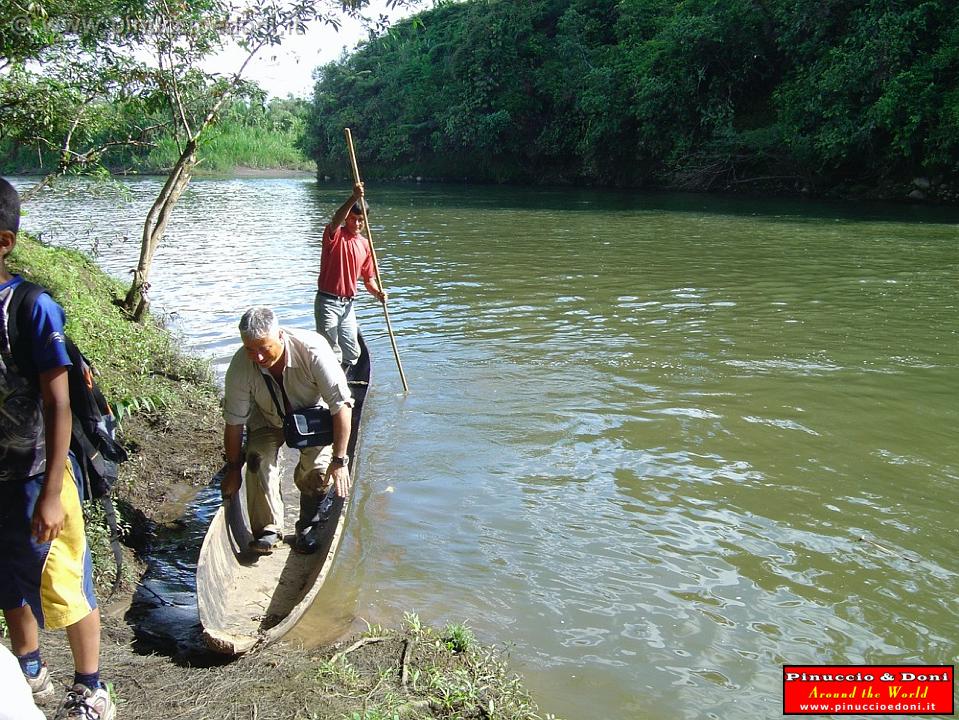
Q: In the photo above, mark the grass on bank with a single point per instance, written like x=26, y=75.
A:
x=223, y=148
x=431, y=674
x=230, y=145
x=137, y=365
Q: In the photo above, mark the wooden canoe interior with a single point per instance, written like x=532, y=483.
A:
x=245, y=598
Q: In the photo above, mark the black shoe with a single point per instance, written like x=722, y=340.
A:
x=305, y=544
x=265, y=542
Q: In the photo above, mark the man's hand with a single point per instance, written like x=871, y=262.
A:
x=48, y=518
x=339, y=474
x=358, y=191
x=231, y=482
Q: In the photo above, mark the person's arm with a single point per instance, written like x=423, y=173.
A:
x=237, y=406
x=48, y=515
x=233, y=449
x=374, y=289
x=339, y=217
x=342, y=426
x=368, y=273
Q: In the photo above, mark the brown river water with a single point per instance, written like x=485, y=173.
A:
x=655, y=446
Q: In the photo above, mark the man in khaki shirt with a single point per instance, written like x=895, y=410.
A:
x=304, y=372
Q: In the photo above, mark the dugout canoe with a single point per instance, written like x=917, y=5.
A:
x=247, y=600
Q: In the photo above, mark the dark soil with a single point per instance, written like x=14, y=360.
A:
x=169, y=459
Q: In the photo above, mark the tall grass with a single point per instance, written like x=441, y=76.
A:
x=230, y=145
x=226, y=146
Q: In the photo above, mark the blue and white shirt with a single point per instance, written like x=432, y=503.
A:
x=22, y=445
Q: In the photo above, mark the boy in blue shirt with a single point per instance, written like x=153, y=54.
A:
x=45, y=562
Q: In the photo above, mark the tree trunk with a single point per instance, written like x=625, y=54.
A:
x=136, y=302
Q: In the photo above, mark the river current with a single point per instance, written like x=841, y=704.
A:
x=655, y=446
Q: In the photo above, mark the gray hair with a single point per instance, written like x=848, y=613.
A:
x=258, y=322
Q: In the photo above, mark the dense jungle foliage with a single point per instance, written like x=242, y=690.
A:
x=855, y=97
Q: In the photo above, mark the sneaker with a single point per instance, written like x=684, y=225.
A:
x=265, y=542
x=41, y=686
x=87, y=704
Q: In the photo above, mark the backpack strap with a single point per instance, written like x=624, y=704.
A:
x=276, y=400
x=20, y=314
x=110, y=513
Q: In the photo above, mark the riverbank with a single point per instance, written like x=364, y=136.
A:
x=172, y=429
x=412, y=672
x=920, y=191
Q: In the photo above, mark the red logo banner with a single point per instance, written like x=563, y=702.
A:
x=868, y=689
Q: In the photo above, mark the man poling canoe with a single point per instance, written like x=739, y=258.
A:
x=347, y=256
x=375, y=285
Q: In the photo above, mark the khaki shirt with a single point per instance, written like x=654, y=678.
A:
x=311, y=376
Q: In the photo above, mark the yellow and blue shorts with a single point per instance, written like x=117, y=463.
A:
x=55, y=579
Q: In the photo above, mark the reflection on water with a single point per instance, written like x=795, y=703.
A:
x=164, y=612
x=658, y=446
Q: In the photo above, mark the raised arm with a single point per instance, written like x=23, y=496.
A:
x=340, y=215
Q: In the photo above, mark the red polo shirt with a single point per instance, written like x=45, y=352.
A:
x=344, y=259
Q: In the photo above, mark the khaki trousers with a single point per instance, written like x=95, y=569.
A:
x=263, y=499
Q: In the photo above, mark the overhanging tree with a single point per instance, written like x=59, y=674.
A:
x=68, y=83
x=89, y=55
x=181, y=36
x=75, y=112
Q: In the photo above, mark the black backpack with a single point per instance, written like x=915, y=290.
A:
x=93, y=440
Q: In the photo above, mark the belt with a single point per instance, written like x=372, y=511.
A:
x=341, y=298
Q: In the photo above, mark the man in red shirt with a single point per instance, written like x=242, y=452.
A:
x=346, y=257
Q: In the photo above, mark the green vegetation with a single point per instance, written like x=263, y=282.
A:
x=699, y=95
x=98, y=539
x=426, y=674
x=458, y=638
x=231, y=145
x=134, y=361
x=252, y=134
x=75, y=76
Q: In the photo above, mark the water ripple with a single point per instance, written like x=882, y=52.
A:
x=658, y=458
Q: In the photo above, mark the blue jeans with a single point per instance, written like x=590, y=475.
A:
x=336, y=321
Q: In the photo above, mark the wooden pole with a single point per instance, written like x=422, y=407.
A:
x=376, y=265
